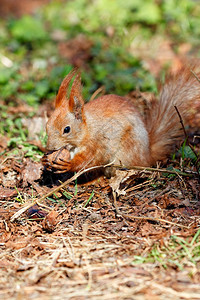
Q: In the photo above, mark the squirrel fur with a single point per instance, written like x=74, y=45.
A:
x=109, y=129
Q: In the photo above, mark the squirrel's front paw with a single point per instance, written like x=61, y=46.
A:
x=58, y=161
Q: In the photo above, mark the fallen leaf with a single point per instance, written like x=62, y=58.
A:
x=31, y=172
x=9, y=178
x=50, y=221
x=120, y=177
x=6, y=193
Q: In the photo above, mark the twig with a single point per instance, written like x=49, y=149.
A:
x=198, y=157
x=130, y=217
x=98, y=91
x=163, y=171
x=164, y=192
x=81, y=172
x=181, y=121
x=138, y=186
x=186, y=136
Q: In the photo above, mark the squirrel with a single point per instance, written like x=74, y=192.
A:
x=109, y=129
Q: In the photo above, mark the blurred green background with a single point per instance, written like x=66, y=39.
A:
x=121, y=45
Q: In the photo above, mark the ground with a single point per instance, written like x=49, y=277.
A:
x=146, y=247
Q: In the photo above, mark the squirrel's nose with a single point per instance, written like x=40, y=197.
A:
x=51, y=146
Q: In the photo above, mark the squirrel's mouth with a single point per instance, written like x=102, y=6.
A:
x=67, y=146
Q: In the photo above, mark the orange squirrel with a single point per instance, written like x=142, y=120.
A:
x=109, y=129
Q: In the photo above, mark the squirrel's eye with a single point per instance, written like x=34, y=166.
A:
x=67, y=129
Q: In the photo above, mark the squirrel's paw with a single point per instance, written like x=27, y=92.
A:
x=57, y=161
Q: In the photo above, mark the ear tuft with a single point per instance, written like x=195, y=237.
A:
x=63, y=87
x=76, y=102
x=76, y=87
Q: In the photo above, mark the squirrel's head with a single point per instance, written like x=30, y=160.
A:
x=66, y=126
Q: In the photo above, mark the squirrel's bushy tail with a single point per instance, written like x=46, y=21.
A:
x=163, y=122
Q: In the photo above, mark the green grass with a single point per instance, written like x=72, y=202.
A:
x=177, y=253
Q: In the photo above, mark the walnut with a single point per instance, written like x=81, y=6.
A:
x=58, y=160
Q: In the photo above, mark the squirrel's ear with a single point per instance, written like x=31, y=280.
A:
x=63, y=88
x=76, y=102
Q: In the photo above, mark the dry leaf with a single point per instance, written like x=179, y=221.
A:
x=121, y=177
x=50, y=221
x=6, y=193
x=31, y=172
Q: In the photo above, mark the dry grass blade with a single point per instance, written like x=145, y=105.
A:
x=170, y=291
x=164, y=171
x=130, y=217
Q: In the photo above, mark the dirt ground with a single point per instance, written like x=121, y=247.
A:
x=91, y=247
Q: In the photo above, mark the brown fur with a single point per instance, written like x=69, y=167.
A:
x=109, y=128
x=63, y=88
x=163, y=123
